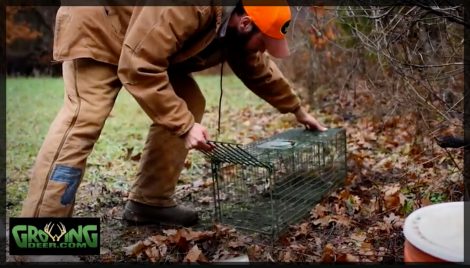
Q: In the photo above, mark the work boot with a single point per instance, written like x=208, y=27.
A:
x=145, y=214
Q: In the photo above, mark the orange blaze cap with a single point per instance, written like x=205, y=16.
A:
x=272, y=18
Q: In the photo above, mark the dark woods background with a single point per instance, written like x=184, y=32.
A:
x=29, y=39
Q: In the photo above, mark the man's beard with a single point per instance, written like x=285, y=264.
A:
x=236, y=40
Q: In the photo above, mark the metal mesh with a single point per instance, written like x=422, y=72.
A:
x=269, y=184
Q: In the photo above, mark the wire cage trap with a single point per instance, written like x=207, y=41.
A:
x=271, y=183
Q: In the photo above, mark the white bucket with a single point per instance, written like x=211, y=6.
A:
x=437, y=231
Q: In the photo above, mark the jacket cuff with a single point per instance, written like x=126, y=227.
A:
x=290, y=108
x=296, y=109
x=185, y=128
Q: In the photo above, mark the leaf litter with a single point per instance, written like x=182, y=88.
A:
x=391, y=172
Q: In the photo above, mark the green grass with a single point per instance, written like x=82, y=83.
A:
x=32, y=104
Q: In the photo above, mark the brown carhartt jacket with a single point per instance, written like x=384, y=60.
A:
x=147, y=42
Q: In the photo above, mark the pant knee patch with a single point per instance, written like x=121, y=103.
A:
x=69, y=175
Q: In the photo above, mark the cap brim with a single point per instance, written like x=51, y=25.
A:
x=277, y=48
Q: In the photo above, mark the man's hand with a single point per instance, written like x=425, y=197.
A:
x=196, y=138
x=308, y=121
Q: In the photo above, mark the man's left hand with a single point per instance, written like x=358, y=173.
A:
x=308, y=121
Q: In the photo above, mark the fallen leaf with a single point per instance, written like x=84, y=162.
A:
x=183, y=244
x=319, y=211
x=254, y=252
x=195, y=255
x=367, y=249
x=347, y=258
x=135, y=249
x=303, y=229
x=385, y=164
x=391, y=190
x=425, y=202
x=359, y=236
x=147, y=242
x=344, y=194
x=205, y=200
x=287, y=257
x=153, y=254
x=340, y=219
x=402, y=199
x=163, y=250
x=170, y=232
x=178, y=238
x=298, y=248
x=191, y=235
x=392, y=201
x=323, y=221
x=328, y=254
x=158, y=239
x=221, y=230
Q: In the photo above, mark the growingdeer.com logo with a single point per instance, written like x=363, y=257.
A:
x=54, y=236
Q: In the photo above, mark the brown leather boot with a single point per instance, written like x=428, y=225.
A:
x=144, y=214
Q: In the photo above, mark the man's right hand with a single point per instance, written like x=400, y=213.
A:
x=196, y=138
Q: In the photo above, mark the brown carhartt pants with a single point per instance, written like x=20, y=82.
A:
x=91, y=88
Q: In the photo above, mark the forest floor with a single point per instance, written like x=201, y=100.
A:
x=392, y=170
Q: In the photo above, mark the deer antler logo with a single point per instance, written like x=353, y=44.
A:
x=48, y=228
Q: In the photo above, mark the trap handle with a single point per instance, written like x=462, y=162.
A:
x=232, y=153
